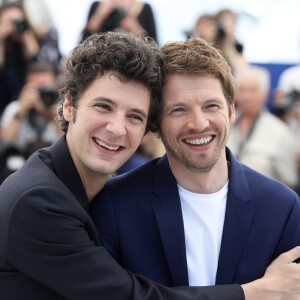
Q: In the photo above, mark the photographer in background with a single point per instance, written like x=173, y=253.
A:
x=120, y=15
x=257, y=138
x=30, y=122
x=205, y=28
x=219, y=30
x=226, y=22
x=286, y=104
x=20, y=45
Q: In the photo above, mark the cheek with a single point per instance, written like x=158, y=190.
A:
x=93, y=121
x=139, y=135
x=224, y=119
x=169, y=124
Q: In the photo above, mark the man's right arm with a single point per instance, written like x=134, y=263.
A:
x=51, y=241
x=281, y=280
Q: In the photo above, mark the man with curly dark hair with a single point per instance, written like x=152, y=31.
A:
x=49, y=246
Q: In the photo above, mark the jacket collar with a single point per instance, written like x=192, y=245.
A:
x=238, y=217
x=66, y=171
x=167, y=210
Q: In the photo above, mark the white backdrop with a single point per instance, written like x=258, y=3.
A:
x=269, y=29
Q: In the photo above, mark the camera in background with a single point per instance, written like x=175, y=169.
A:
x=48, y=95
x=21, y=25
x=117, y=15
x=292, y=101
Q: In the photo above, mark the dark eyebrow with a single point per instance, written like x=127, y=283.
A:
x=140, y=112
x=103, y=99
x=135, y=110
x=181, y=103
x=214, y=100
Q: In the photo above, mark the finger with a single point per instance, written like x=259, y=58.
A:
x=289, y=256
x=297, y=261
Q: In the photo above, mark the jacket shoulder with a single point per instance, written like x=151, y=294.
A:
x=138, y=175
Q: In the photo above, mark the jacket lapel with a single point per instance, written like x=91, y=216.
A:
x=237, y=223
x=167, y=210
x=64, y=166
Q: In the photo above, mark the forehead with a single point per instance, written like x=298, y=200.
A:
x=178, y=85
x=110, y=78
x=122, y=91
x=40, y=78
x=249, y=80
x=11, y=13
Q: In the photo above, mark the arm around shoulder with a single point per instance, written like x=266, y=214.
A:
x=55, y=244
x=280, y=282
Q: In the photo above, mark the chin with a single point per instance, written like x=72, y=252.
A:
x=106, y=171
x=102, y=170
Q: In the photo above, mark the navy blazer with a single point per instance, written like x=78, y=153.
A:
x=140, y=222
x=49, y=246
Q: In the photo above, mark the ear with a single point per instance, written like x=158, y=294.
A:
x=156, y=133
x=68, y=108
x=232, y=115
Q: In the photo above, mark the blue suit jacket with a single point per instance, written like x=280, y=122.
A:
x=140, y=222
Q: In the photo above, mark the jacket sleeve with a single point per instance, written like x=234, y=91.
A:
x=103, y=215
x=290, y=236
x=49, y=242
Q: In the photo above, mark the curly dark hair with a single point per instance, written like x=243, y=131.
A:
x=130, y=56
x=197, y=57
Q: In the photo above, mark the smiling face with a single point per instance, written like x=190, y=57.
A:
x=107, y=125
x=195, y=122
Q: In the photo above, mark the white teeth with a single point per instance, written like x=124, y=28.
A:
x=201, y=141
x=112, y=148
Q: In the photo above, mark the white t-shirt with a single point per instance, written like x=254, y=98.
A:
x=203, y=217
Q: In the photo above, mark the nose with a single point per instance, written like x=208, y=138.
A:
x=197, y=120
x=117, y=125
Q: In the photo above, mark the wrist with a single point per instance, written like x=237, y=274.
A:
x=251, y=291
x=257, y=290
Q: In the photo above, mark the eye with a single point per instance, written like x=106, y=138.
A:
x=177, y=111
x=103, y=106
x=136, y=118
x=212, y=106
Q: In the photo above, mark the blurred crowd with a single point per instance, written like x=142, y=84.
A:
x=31, y=73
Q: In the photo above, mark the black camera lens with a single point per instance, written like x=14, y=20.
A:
x=221, y=33
x=21, y=25
x=117, y=15
x=48, y=95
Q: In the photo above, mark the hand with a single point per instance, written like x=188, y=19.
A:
x=280, y=282
x=104, y=9
x=102, y=12
x=131, y=24
x=6, y=29
x=30, y=98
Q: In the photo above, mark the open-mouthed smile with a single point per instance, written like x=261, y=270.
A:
x=202, y=141
x=106, y=146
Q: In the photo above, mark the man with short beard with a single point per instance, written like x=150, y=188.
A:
x=197, y=216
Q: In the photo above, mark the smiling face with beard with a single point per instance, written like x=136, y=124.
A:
x=195, y=122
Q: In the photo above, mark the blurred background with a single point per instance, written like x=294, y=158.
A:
x=269, y=29
x=37, y=35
